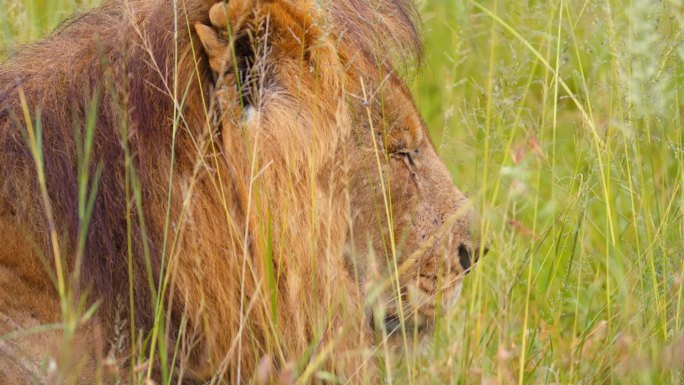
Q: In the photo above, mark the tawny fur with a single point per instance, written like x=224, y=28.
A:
x=292, y=187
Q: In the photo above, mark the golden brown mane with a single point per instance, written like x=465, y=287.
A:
x=139, y=66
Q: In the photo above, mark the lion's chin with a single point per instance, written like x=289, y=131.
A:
x=421, y=319
x=419, y=334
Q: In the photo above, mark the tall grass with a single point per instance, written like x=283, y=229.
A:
x=563, y=121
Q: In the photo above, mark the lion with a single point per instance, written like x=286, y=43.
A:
x=219, y=192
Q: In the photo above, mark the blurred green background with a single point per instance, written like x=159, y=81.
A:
x=562, y=119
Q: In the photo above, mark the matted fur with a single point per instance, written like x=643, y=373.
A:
x=259, y=207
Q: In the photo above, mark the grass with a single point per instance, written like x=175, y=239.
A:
x=563, y=121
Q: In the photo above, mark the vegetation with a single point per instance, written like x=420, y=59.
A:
x=563, y=121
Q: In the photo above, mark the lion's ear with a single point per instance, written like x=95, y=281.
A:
x=231, y=14
x=215, y=50
x=226, y=19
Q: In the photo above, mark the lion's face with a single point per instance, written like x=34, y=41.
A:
x=411, y=225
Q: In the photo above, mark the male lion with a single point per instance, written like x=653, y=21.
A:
x=219, y=191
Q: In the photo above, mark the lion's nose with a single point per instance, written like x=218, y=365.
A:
x=466, y=257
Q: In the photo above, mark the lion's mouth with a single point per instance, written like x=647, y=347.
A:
x=393, y=323
x=420, y=308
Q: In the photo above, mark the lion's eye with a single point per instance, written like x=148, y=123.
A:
x=408, y=158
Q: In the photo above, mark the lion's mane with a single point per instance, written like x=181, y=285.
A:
x=180, y=208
